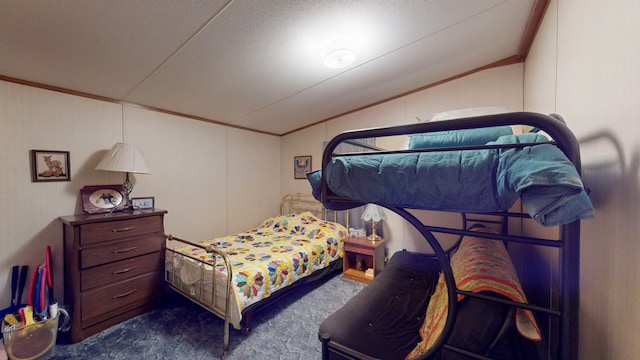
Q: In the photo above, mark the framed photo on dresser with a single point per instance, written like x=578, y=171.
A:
x=102, y=198
x=143, y=202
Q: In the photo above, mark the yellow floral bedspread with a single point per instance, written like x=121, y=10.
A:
x=280, y=251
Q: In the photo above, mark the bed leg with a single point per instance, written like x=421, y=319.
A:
x=225, y=340
x=324, y=338
x=246, y=323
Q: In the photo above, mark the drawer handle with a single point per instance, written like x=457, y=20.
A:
x=124, y=250
x=129, y=228
x=123, y=271
x=119, y=296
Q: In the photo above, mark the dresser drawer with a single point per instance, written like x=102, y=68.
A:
x=113, y=299
x=115, y=251
x=118, y=271
x=105, y=231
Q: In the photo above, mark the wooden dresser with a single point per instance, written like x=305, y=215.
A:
x=113, y=267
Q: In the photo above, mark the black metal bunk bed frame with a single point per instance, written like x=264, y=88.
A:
x=565, y=344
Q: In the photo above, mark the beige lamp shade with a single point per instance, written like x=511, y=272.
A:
x=124, y=157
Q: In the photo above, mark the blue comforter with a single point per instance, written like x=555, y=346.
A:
x=483, y=180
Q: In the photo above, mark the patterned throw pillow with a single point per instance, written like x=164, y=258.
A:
x=281, y=223
x=478, y=265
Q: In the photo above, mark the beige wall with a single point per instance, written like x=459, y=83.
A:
x=207, y=176
x=585, y=65
x=500, y=87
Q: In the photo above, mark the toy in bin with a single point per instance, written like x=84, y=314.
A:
x=30, y=331
x=31, y=341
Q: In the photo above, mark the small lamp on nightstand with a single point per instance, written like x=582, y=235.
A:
x=373, y=213
x=126, y=158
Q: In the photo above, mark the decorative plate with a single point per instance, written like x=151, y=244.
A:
x=102, y=198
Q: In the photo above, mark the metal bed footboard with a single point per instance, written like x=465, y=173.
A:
x=291, y=203
x=171, y=277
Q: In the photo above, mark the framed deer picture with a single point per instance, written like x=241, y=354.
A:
x=50, y=165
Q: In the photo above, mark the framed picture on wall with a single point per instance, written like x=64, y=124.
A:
x=50, y=165
x=301, y=166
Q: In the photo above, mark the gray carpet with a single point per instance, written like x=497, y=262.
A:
x=179, y=329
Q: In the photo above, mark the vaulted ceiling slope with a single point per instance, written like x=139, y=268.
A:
x=256, y=64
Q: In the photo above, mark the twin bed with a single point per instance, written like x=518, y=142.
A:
x=236, y=275
x=465, y=301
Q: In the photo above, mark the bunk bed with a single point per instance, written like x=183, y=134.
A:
x=236, y=275
x=478, y=168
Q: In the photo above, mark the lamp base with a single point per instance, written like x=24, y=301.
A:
x=127, y=187
x=121, y=208
x=374, y=236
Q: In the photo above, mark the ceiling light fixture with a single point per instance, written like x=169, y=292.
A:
x=339, y=54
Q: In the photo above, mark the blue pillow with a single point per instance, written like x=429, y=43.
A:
x=464, y=137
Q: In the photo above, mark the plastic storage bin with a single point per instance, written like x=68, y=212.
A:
x=32, y=341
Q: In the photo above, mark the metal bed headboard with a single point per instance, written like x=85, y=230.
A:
x=298, y=203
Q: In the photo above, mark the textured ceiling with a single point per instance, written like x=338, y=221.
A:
x=254, y=64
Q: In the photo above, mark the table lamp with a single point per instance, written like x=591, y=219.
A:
x=126, y=158
x=373, y=213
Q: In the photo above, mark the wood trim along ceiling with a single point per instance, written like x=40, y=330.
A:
x=531, y=29
x=125, y=103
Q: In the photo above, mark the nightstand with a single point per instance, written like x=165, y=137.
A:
x=363, y=259
x=113, y=267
